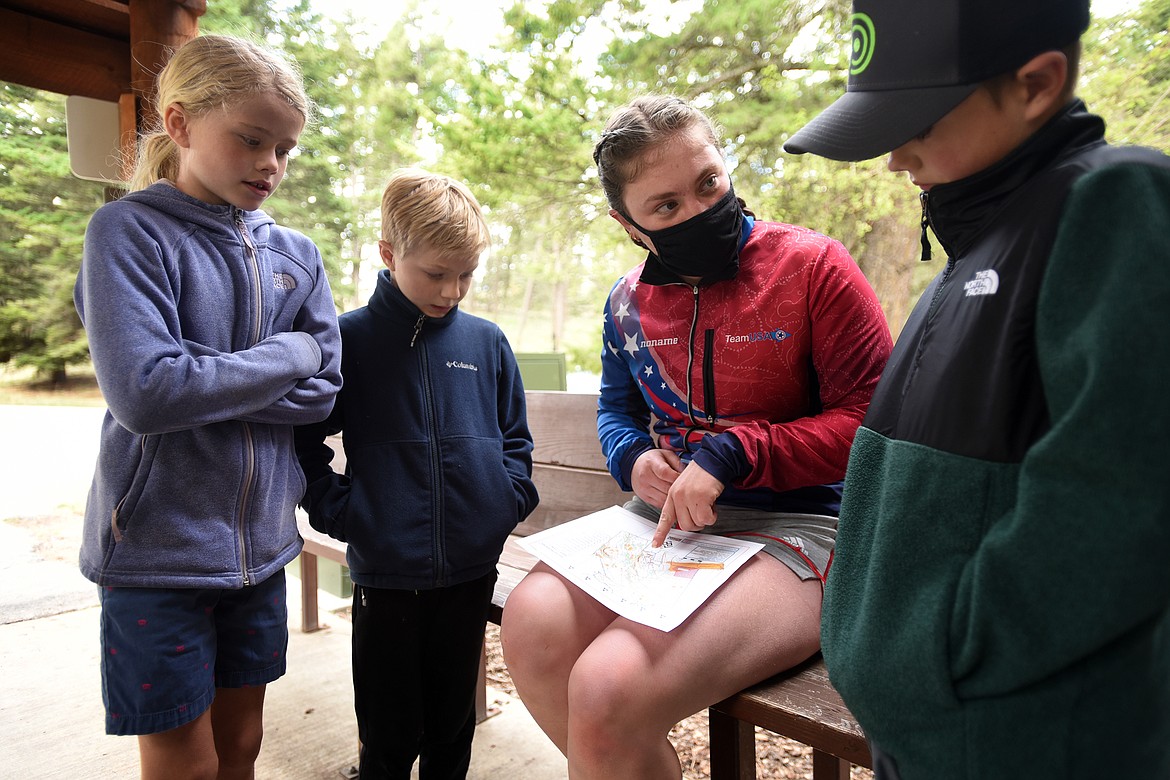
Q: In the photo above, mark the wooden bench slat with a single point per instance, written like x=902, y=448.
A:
x=564, y=429
x=566, y=494
x=802, y=704
x=515, y=556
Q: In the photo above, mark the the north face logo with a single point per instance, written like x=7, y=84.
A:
x=984, y=283
x=283, y=281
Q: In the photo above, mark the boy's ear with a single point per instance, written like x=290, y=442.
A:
x=387, y=254
x=175, y=122
x=1043, y=78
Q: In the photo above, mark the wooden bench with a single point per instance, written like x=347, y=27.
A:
x=570, y=474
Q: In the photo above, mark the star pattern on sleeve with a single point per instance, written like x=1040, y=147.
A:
x=631, y=344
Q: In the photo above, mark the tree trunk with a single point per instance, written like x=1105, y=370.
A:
x=355, y=278
x=529, y=287
x=891, y=252
x=58, y=375
x=560, y=290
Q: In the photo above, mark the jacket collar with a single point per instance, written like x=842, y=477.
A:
x=164, y=196
x=958, y=211
x=389, y=302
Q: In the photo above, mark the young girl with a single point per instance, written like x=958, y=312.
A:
x=754, y=347
x=212, y=332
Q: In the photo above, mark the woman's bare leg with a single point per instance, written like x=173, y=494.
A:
x=547, y=624
x=633, y=683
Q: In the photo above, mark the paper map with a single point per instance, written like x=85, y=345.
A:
x=608, y=555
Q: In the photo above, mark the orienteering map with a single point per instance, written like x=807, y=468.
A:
x=608, y=555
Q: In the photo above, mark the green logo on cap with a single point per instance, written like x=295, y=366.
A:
x=862, y=45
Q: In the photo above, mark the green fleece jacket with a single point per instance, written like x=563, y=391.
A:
x=999, y=603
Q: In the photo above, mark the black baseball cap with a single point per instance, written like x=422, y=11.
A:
x=912, y=61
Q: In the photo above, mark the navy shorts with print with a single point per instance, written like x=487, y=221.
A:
x=166, y=650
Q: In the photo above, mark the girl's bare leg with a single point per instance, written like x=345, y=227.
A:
x=183, y=753
x=237, y=723
x=221, y=744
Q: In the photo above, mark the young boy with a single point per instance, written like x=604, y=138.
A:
x=999, y=603
x=439, y=467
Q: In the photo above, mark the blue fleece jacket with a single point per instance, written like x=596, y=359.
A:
x=438, y=453
x=212, y=332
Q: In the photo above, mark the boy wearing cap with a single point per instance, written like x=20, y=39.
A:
x=999, y=601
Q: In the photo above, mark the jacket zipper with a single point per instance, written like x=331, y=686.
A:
x=254, y=267
x=709, y=375
x=944, y=277
x=437, y=550
x=249, y=477
x=249, y=443
x=695, y=425
x=417, y=328
x=925, y=239
x=950, y=266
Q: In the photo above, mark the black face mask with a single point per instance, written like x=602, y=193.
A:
x=706, y=245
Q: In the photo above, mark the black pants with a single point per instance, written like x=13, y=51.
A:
x=415, y=666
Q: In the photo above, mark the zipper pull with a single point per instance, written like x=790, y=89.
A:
x=417, y=328
x=925, y=224
x=237, y=217
x=362, y=592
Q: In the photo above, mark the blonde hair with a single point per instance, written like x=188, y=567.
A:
x=420, y=208
x=207, y=73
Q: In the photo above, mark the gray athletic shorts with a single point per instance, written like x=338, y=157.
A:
x=803, y=543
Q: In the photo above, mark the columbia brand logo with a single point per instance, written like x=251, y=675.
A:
x=461, y=364
x=283, y=281
x=984, y=283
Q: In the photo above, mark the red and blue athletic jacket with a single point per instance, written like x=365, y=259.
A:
x=762, y=379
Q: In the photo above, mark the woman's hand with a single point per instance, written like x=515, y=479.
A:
x=690, y=503
x=653, y=473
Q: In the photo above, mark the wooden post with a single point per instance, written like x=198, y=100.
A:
x=157, y=29
x=309, y=592
x=826, y=766
x=733, y=747
x=127, y=133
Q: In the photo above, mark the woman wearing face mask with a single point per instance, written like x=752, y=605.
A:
x=739, y=359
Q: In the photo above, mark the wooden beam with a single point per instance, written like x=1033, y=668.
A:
x=157, y=29
x=51, y=56
x=107, y=18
